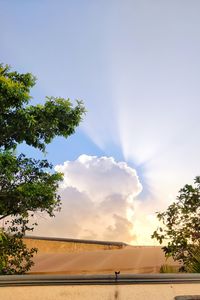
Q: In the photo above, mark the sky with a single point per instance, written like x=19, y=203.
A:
x=136, y=66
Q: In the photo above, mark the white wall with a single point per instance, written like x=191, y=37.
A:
x=100, y=292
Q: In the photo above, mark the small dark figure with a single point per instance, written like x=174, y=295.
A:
x=116, y=275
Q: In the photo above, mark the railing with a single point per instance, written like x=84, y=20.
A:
x=129, y=279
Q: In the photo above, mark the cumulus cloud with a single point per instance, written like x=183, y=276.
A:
x=103, y=175
x=122, y=229
x=97, y=195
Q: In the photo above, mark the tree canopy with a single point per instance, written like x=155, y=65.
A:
x=180, y=225
x=27, y=185
x=38, y=124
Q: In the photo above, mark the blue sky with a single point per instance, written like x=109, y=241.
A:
x=136, y=66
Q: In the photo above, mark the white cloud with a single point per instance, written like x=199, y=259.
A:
x=100, y=177
x=122, y=229
x=95, y=195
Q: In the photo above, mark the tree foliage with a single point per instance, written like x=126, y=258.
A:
x=181, y=225
x=193, y=266
x=38, y=124
x=27, y=186
x=16, y=258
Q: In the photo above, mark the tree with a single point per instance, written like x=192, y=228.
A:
x=27, y=186
x=38, y=124
x=181, y=225
x=16, y=258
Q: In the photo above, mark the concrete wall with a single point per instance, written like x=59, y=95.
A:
x=100, y=292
